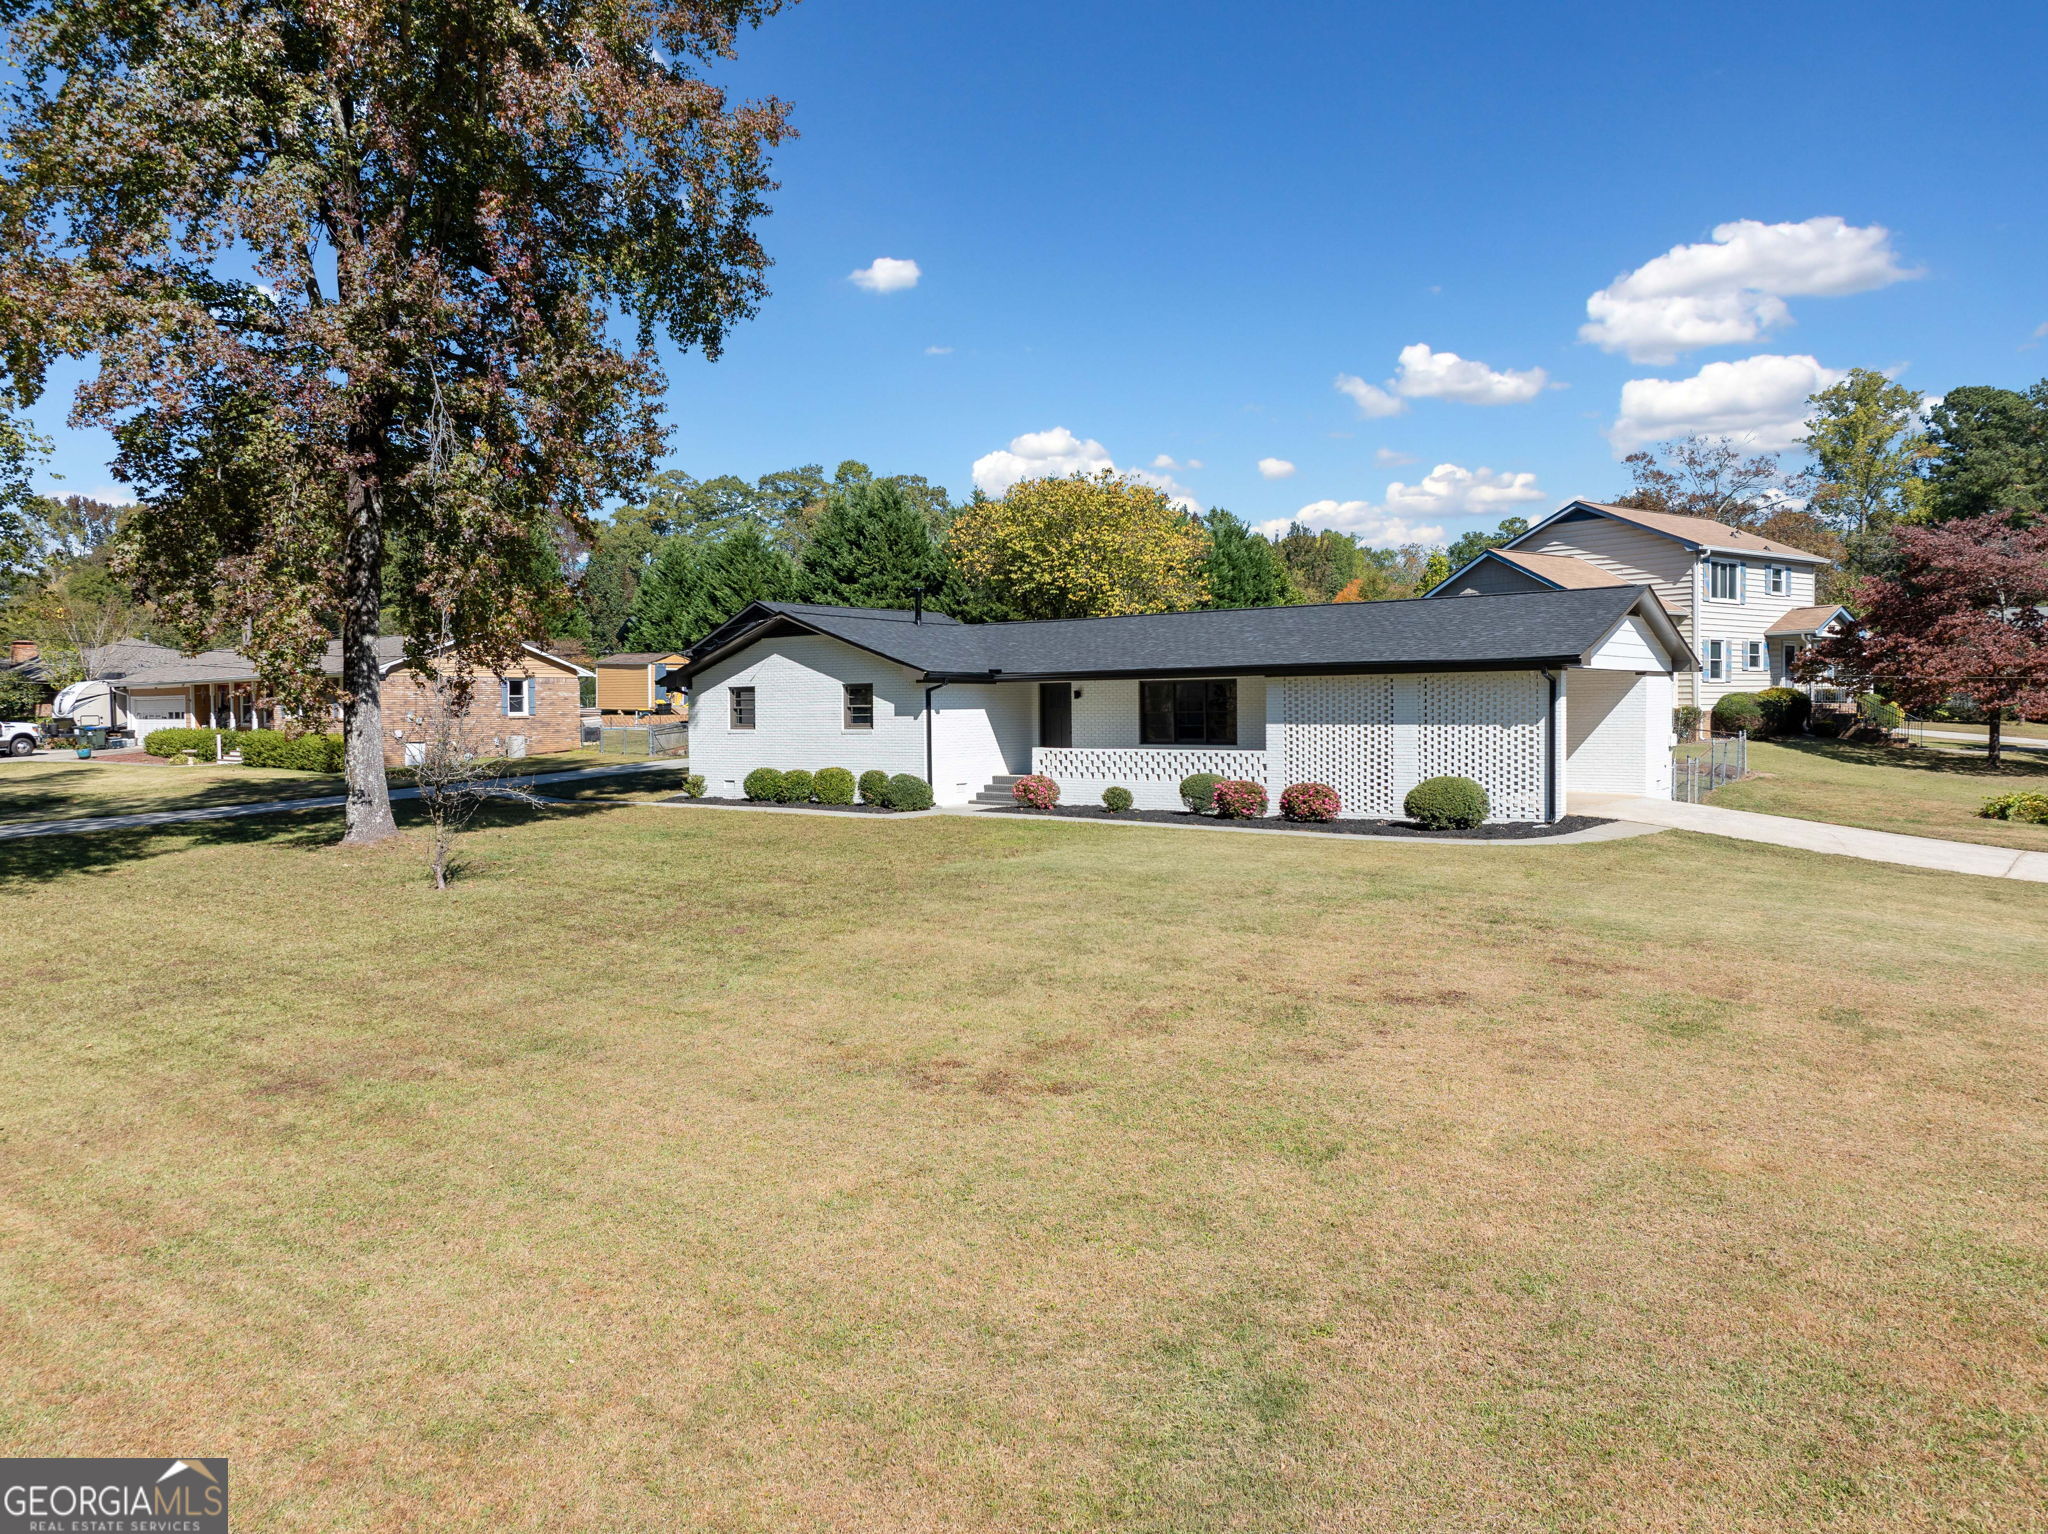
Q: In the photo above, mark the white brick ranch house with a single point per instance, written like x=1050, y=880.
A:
x=1745, y=604
x=1532, y=694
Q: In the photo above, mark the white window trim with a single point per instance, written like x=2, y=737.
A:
x=1741, y=581
x=1778, y=580
x=1714, y=660
x=1755, y=654
x=525, y=686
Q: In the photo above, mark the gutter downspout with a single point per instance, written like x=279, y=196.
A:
x=930, y=775
x=1550, y=750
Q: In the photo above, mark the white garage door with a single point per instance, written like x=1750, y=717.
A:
x=147, y=713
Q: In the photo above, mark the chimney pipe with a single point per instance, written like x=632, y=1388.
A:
x=917, y=605
x=20, y=650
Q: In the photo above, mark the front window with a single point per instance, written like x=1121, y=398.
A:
x=1717, y=660
x=1187, y=713
x=1753, y=655
x=518, y=696
x=1724, y=580
x=1778, y=581
x=742, y=708
x=860, y=705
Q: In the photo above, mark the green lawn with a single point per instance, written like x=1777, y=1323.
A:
x=59, y=790
x=741, y=1172
x=1920, y=791
x=62, y=790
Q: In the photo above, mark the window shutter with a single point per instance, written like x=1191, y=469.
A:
x=504, y=696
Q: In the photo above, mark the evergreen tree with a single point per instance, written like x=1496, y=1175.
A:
x=740, y=568
x=870, y=548
x=665, y=610
x=1991, y=452
x=1241, y=568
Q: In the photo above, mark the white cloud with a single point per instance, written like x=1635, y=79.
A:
x=1058, y=452
x=1037, y=455
x=1759, y=400
x=1734, y=289
x=1276, y=468
x=1369, y=398
x=938, y=351
x=886, y=274
x=1366, y=519
x=1168, y=463
x=1446, y=491
x=1426, y=374
x=1450, y=491
x=1387, y=458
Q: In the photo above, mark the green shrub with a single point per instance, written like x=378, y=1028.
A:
x=834, y=785
x=295, y=753
x=2029, y=808
x=763, y=785
x=1685, y=721
x=1447, y=804
x=1116, y=800
x=177, y=740
x=1198, y=791
x=1738, y=711
x=1873, y=710
x=693, y=785
x=907, y=793
x=1785, y=710
x=797, y=787
x=874, y=787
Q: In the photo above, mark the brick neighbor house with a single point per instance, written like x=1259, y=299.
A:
x=531, y=707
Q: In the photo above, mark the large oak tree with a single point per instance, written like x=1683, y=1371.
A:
x=350, y=271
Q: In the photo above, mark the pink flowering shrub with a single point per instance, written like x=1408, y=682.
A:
x=1240, y=799
x=1035, y=791
x=1310, y=801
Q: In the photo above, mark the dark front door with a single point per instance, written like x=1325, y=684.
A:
x=1055, y=714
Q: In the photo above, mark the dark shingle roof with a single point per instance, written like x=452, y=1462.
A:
x=1470, y=632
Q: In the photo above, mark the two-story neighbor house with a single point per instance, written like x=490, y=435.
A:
x=1745, y=604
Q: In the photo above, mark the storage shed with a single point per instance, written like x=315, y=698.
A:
x=639, y=681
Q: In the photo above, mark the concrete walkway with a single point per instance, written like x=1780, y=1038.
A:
x=1962, y=738
x=83, y=823
x=1819, y=836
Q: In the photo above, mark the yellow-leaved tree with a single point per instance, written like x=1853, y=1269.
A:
x=1087, y=546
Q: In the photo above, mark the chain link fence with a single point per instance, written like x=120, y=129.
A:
x=670, y=738
x=1698, y=767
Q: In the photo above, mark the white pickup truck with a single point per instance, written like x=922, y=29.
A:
x=16, y=738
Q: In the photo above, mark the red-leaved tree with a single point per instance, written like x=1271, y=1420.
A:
x=1966, y=615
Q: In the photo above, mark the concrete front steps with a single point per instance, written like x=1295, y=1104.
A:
x=998, y=791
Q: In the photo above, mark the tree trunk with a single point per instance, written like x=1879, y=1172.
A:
x=1991, y=749
x=367, y=813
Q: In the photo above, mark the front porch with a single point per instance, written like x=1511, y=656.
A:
x=1152, y=773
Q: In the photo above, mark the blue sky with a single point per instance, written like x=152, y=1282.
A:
x=1170, y=229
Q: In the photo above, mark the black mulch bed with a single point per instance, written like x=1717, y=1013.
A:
x=837, y=809
x=1506, y=832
